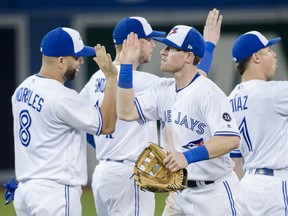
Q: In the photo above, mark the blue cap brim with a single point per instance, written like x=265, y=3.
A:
x=86, y=51
x=167, y=42
x=273, y=41
x=156, y=34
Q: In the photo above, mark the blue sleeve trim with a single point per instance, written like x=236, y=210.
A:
x=226, y=133
x=100, y=122
x=140, y=112
x=235, y=153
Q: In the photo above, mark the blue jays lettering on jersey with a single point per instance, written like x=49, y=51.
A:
x=183, y=120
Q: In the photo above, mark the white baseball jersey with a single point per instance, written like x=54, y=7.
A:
x=261, y=111
x=189, y=117
x=115, y=192
x=129, y=138
x=48, y=120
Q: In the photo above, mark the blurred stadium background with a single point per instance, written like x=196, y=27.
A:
x=24, y=23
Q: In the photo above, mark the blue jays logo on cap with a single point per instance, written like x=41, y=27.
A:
x=173, y=31
x=64, y=41
x=249, y=43
x=185, y=38
x=138, y=25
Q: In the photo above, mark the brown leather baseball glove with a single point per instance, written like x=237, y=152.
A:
x=151, y=174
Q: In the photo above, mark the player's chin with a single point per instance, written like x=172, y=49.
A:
x=164, y=67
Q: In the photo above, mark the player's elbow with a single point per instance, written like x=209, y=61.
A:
x=108, y=130
x=125, y=115
x=125, y=118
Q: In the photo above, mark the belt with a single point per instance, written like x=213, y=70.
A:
x=195, y=184
x=262, y=171
x=119, y=161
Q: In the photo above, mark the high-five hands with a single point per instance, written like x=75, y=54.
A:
x=104, y=61
x=130, y=49
x=212, y=28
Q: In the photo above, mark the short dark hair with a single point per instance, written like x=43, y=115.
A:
x=242, y=65
x=196, y=60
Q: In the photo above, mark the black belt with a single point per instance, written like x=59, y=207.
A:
x=194, y=184
x=119, y=161
x=264, y=171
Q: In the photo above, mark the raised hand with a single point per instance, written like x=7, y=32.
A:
x=212, y=28
x=130, y=50
x=104, y=61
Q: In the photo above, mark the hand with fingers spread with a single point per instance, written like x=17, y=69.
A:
x=175, y=161
x=104, y=61
x=130, y=50
x=211, y=35
x=212, y=28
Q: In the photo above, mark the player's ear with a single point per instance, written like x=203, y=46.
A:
x=61, y=62
x=190, y=57
x=255, y=57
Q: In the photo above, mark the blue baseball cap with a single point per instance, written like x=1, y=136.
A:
x=185, y=38
x=249, y=43
x=138, y=25
x=64, y=41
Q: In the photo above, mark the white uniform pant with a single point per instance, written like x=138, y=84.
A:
x=116, y=193
x=47, y=198
x=221, y=198
x=265, y=195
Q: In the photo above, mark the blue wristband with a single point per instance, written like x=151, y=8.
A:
x=126, y=76
x=210, y=47
x=196, y=154
x=206, y=61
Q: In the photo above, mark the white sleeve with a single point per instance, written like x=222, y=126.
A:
x=280, y=97
x=147, y=104
x=218, y=113
x=83, y=116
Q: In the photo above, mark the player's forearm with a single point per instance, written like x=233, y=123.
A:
x=238, y=169
x=220, y=145
x=126, y=109
x=108, y=106
x=215, y=147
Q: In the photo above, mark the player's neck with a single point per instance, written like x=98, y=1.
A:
x=51, y=75
x=253, y=75
x=184, y=77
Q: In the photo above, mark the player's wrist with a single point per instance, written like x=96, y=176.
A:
x=210, y=47
x=206, y=61
x=196, y=154
x=126, y=76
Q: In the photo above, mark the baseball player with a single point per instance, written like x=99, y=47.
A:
x=115, y=192
x=261, y=111
x=118, y=152
x=196, y=124
x=50, y=121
